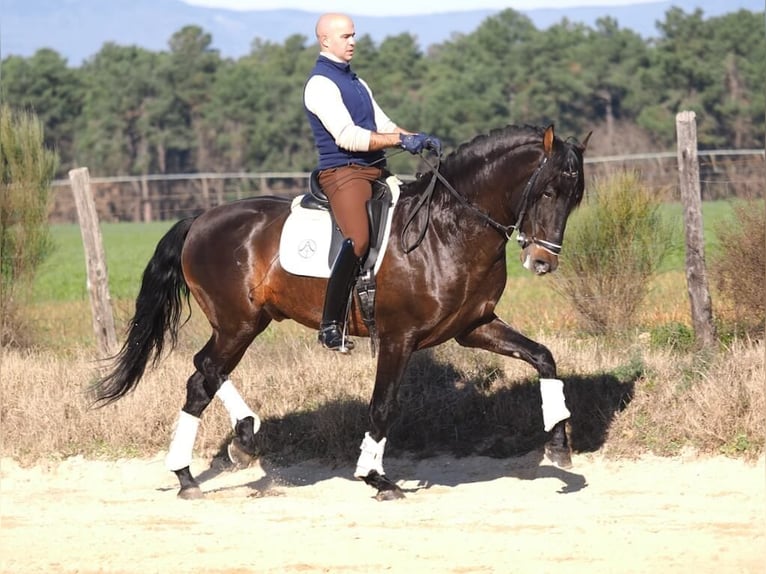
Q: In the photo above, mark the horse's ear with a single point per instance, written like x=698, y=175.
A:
x=548, y=140
x=584, y=144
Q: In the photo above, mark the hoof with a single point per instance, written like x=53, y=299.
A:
x=191, y=493
x=239, y=457
x=560, y=456
x=386, y=495
x=387, y=489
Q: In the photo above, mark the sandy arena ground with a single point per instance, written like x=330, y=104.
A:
x=471, y=515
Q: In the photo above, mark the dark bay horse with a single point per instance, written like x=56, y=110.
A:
x=516, y=178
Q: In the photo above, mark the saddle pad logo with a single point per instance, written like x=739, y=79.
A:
x=307, y=249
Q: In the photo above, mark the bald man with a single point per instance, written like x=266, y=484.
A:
x=350, y=131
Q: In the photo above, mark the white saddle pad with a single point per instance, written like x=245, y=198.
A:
x=304, y=247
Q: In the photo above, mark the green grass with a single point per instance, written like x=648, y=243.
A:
x=714, y=213
x=128, y=247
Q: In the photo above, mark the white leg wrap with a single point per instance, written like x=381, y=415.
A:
x=182, y=443
x=554, y=406
x=371, y=457
x=235, y=405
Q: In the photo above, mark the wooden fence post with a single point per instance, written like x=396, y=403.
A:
x=146, y=202
x=205, y=194
x=95, y=262
x=696, y=277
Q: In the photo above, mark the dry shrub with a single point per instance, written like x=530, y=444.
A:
x=15, y=329
x=711, y=403
x=739, y=270
x=614, y=246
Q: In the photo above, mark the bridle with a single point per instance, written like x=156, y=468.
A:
x=505, y=230
x=521, y=237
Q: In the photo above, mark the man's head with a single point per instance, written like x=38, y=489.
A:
x=335, y=34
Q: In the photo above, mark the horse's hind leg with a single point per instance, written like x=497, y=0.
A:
x=179, y=457
x=213, y=363
x=199, y=394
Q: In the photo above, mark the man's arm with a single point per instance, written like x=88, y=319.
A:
x=380, y=141
x=322, y=97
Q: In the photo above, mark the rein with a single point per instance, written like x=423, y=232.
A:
x=505, y=230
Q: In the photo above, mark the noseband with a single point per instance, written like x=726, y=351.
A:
x=505, y=230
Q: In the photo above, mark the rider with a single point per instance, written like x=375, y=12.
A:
x=350, y=131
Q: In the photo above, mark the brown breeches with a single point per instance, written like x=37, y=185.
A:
x=349, y=188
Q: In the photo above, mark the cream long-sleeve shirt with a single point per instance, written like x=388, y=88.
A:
x=322, y=97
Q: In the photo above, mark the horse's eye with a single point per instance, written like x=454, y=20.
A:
x=571, y=174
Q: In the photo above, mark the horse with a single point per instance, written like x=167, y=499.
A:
x=444, y=285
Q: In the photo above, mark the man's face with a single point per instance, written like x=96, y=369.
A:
x=339, y=40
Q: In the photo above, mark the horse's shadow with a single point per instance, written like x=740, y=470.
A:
x=442, y=413
x=530, y=466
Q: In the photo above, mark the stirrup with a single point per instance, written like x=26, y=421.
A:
x=331, y=337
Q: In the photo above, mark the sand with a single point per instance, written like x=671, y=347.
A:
x=470, y=515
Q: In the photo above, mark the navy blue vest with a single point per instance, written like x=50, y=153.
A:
x=359, y=104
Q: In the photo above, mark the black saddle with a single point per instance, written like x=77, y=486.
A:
x=377, y=214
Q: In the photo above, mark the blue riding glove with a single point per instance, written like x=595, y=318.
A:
x=434, y=144
x=415, y=143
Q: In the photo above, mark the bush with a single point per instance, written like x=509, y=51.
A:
x=673, y=336
x=738, y=271
x=26, y=171
x=613, y=246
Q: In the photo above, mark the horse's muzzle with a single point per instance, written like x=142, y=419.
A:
x=538, y=260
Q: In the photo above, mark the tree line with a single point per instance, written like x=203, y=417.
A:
x=131, y=111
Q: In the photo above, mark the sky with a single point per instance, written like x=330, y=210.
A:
x=404, y=7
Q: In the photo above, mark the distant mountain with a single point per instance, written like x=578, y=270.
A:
x=77, y=29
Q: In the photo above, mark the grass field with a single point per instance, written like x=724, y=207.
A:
x=128, y=247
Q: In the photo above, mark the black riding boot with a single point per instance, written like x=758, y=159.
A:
x=339, y=286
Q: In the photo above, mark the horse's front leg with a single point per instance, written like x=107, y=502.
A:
x=384, y=407
x=499, y=337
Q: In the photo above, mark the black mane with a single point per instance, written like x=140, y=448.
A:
x=484, y=145
x=464, y=158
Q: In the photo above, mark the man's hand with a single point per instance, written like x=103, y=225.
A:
x=434, y=144
x=415, y=143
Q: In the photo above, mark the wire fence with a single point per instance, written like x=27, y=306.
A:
x=724, y=174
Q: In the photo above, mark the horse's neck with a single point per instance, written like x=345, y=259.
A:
x=497, y=186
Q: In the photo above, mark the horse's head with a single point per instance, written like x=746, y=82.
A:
x=516, y=178
x=553, y=190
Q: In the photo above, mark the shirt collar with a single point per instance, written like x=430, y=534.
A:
x=342, y=64
x=333, y=57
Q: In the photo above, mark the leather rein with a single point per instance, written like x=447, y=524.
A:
x=505, y=230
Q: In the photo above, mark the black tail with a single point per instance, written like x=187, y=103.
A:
x=158, y=310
